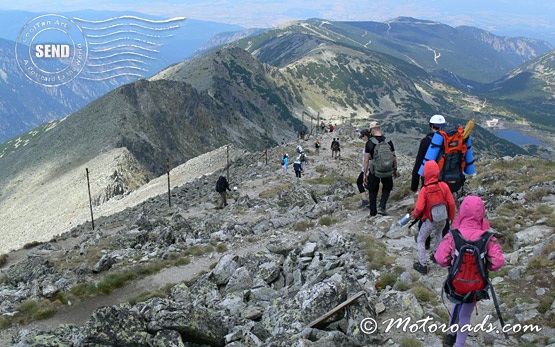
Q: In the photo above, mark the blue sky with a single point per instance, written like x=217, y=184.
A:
x=503, y=17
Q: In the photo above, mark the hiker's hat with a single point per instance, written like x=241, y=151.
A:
x=365, y=132
x=374, y=124
x=437, y=120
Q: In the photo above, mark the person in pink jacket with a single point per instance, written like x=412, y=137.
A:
x=433, y=192
x=471, y=223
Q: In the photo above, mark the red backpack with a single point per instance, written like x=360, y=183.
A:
x=435, y=202
x=468, y=280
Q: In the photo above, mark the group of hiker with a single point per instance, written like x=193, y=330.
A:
x=461, y=238
x=461, y=241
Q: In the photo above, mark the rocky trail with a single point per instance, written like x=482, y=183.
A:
x=253, y=182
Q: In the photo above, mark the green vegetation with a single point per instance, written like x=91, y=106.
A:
x=409, y=341
x=375, y=252
x=327, y=221
x=423, y=294
x=303, y=225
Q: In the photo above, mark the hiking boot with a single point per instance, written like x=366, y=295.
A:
x=382, y=211
x=363, y=204
x=420, y=268
x=449, y=340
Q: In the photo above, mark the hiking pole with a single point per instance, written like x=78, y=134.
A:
x=496, y=304
x=414, y=222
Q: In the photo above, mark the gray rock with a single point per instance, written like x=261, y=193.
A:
x=224, y=269
x=531, y=235
x=116, y=325
x=240, y=280
x=195, y=323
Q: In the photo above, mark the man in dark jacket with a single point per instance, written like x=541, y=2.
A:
x=222, y=186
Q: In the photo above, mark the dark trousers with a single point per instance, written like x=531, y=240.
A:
x=298, y=173
x=374, y=188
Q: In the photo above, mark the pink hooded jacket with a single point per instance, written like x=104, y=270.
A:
x=431, y=175
x=472, y=225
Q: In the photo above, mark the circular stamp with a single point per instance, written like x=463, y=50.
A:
x=51, y=50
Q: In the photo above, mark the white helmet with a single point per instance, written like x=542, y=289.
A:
x=437, y=119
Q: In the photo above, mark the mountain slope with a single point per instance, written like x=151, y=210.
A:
x=467, y=52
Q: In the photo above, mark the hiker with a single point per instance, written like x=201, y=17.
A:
x=304, y=160
x=334, y=148
x=380, y=166
x=472, y=225
x=435, y=206
x=299, y=148
x=222, y=186
x=436, y=123
x=317, y=147
x=331, y=128
x=365, y=136
x=297, y=167
x=284, y=163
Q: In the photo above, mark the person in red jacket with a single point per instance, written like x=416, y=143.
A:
x=435, y=205
x=471, y=223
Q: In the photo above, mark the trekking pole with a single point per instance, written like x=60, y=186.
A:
x=496, y=304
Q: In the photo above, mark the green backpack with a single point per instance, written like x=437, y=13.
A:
x=382, y=161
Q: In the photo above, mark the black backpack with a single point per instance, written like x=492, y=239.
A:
x=221, y=184
x=468, y=279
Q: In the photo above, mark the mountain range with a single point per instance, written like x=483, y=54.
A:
x=262, y=90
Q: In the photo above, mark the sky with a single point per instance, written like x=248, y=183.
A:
x=534, y=19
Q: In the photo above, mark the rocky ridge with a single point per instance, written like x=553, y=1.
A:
x=283, y=253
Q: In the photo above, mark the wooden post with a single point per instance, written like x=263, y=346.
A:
x=90, y=198
x=336, y=309
x=227, y=165
x=169, y=189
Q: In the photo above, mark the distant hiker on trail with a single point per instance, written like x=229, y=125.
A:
x=304, y=160
x=331, y=128
x=436, y=123
x=297, y=167
x=334, y=148
x=380, y=165
x=365, y=136
x=323, y=127
x=472, y=226
x=299, y=148
x=317, y=147
x=284, y=163
x=302, y=134
x=222, y=186
x=435, y=206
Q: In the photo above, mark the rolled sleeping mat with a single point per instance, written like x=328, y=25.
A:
x=469, y=169
x=433, y=151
